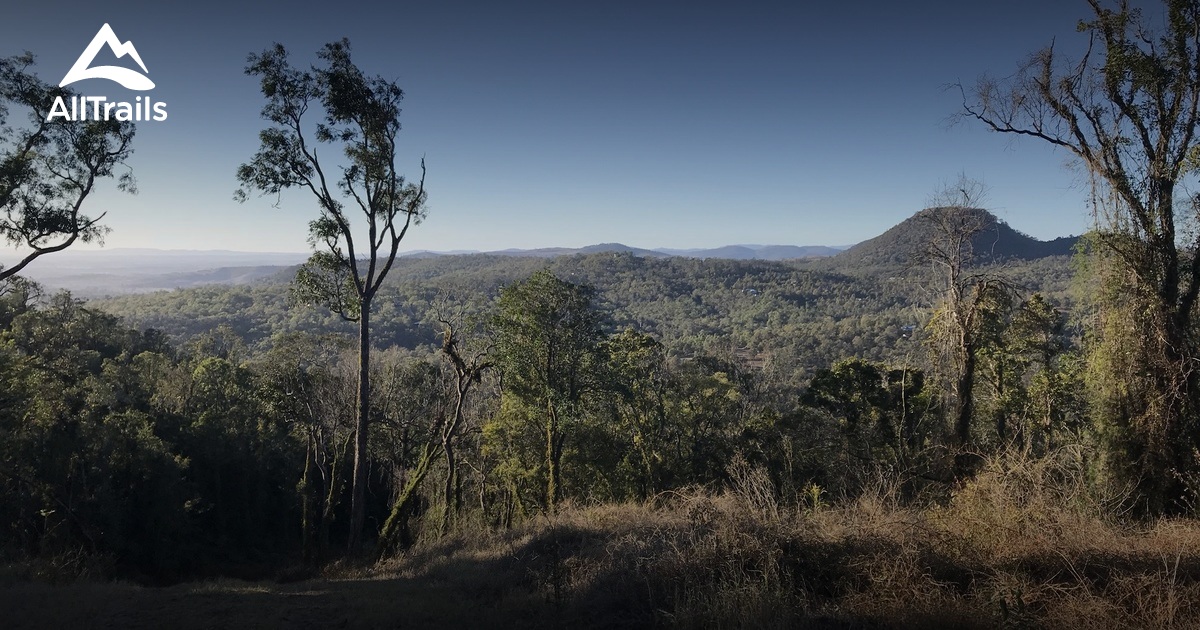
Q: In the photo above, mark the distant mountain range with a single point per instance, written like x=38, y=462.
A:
x=93, y=273
x=735, y=252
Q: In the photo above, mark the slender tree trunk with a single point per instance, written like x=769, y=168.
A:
x=323, y=525
x=552, y=474
x=649, y=487
x=908, y=418
x=451, y=478
x=334, y=486
x=458, y=496
x=358, y=495
x=966, y=399
x=1001, y=412
x=306, y=506
x=448, y=432
x=395, y=534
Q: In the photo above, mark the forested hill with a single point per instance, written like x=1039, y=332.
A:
x=786, y=313
x=903, y=244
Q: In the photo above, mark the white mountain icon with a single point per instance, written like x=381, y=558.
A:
x=131, y=79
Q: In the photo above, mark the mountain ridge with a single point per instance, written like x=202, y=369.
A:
x=994, y=241
x=136, y=270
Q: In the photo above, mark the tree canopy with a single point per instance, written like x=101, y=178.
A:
x=49, y=167
x=361, y=116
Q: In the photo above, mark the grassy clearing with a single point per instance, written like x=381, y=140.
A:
x=1025, y=545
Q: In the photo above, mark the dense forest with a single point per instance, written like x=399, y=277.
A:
x=206, y=431
x=950, y=425
x=797, y=316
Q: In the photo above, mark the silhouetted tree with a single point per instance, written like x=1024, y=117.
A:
x=1128, y=110
x=49, y=167
x=361, y=116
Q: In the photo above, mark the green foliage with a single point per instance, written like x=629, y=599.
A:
x=325, y=281
x=1126, y=112
x=884, y=414
x=547, y=334
x=49, y=167
x=548, y=351
x=81, y=463
x=112, y=445
x=636, y=448
x=246, y=439
x=1043, y=401
x=307, y=383
x=246, y=432
x=361, y=117
x=786, y=314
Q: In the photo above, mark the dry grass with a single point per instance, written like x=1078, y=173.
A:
x=1027, y=544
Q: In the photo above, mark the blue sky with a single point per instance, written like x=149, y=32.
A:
x=655, y=124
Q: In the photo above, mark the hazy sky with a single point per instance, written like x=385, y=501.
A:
x=676, y=124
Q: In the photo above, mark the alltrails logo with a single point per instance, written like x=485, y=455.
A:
x=99, y=107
